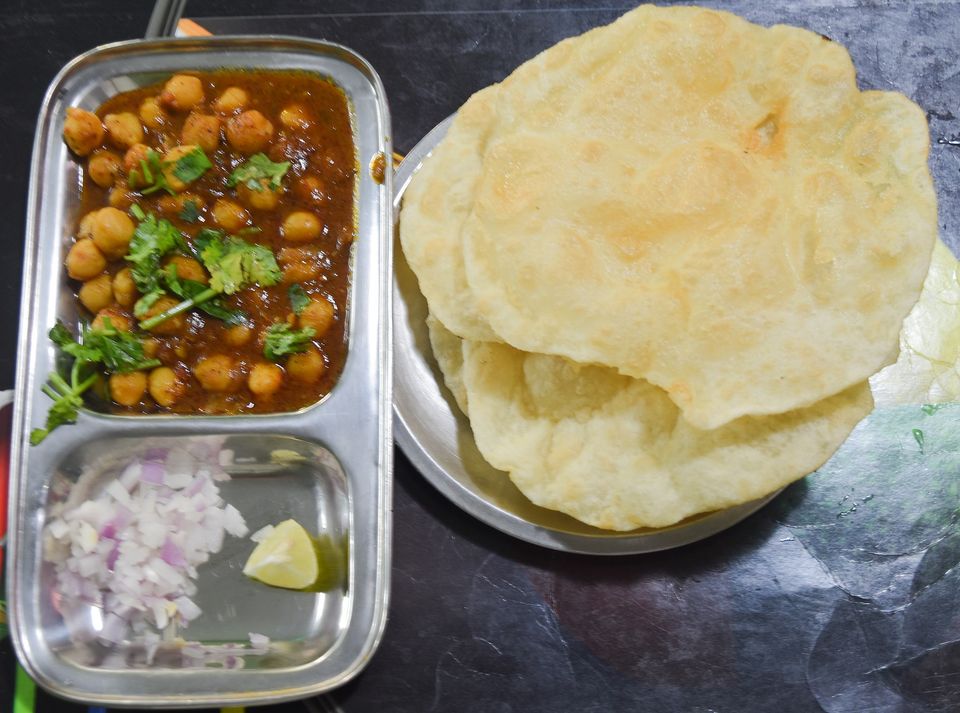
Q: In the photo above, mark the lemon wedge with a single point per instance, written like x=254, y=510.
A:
x=289, y=557
x=286, y=558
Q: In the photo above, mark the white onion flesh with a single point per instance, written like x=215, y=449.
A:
x=133, y=549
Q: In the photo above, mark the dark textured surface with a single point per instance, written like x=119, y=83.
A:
x=842, y=596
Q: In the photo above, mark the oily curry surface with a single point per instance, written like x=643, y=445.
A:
x=281, y=175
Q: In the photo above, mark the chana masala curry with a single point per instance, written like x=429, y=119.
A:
x=212, y=248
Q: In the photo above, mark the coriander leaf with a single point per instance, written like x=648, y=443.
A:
x=299, y=299
x=931, y=409
x=137, y=212
x=65, y=408
x=143, y=305
x=61, y=336
x=152, y=239
x=282, y=339
x=256, y=169
x=191, y=290
x=190, y=212
x=151, y=172
x=260, y=264
x=205, y=236
x=190, y=167
x=234, y=263
x=119, y=351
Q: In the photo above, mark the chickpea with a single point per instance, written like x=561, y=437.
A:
x=121, y=198
x=82, y=131
x=301, y=226
x=217, y=373
x=133, y=161
x=112, y=231
x=173, y=325
x=294, y=117
x=312, y=190
x=229, y=215
x=85, y=261
x=298, y=264
x=232, y=99
x=123, y=129
x=170, y=164
x=189, y=269
x=249, y=132
x=264, y=199
x=85, y=229
x=134, y=155
x=165, y=386
x=103, y=168
x=306, y=367
x=182, y=92
x=174, y=205
x=238, y=335
x=128, y=389
x=96, y=294
x=151, y=347
x=265, y=379
x=202, y=130
x=124, y=288
x=319, y=314
x=152, y=114
x=119, y=320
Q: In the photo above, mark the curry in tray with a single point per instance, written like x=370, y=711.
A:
x=212, y=246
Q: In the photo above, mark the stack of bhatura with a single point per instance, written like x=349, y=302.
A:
x=663, y=258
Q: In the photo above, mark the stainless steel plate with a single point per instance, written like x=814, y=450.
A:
x=436, y=436
x=340, y=482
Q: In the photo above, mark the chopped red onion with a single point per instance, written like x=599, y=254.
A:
x=172, y=554
x=259, y=641
x=112, y=558
x=152, y=473
x=133, y=550
x=156, y=454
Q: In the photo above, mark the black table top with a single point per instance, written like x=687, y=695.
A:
x=841, y=596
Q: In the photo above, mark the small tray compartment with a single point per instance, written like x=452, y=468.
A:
x=269, y=474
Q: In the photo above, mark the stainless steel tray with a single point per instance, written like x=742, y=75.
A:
x=342, y=479
x=436, y=436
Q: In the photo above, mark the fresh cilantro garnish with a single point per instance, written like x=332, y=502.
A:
x=256, y=169
x=232, y=263
x=299, y=299
x=191, y=289
x=190, y=212
x=137, y=212
x=151, y=241
x=151, y=173
x=67, y=400
x=282, y=339
x=118, y=352
x=190, y=167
